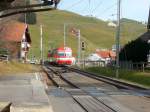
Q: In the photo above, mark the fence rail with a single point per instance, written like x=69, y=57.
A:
x=142, y=66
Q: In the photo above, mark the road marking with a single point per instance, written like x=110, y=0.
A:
x=37, y=76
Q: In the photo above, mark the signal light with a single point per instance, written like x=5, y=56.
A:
x=83, y=45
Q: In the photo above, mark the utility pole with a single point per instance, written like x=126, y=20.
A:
x=79, y=46
x=64, y=35
x=41, y=43
x=148, y=24
x=118, y=37
x=25, y=15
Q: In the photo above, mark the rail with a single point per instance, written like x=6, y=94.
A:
x=102, y=105
x=115, y=82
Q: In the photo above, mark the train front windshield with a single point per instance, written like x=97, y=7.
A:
x=61, y=54
x=66, y=54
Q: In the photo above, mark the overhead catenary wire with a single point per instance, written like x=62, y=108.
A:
x=89, y=7
x=107, y=9
x=75, y=4
x=97, y=6
x=84, y=8
x=72, y=5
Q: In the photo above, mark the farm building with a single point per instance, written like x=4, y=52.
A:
x=106, y=55
x=15, y=37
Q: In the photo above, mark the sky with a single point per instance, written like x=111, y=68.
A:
x=107, y=9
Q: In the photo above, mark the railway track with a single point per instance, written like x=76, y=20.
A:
x=80, y=96
x=83, y=96
x=54, y=74
x=116, y=83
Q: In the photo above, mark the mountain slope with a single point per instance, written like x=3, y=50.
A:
x=94, y=32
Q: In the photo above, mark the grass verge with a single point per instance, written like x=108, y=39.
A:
x=142, y=78
x=16, y=68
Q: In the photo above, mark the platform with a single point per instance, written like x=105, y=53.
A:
x=25, y=92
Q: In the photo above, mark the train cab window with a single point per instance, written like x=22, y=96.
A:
x=61, y=54
x=68, y=54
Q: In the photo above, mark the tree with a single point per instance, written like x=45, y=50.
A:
x=135, y=51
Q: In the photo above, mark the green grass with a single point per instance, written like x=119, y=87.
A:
x=14, y=67
x=142, y=78
x=94, y=32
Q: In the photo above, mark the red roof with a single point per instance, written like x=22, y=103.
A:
x=103, y=54
x=12, y=31
x=106, y=54
x=112, y=55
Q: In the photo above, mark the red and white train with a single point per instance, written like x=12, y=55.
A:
x=61, y=56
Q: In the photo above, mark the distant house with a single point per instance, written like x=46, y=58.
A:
x=93, y=57
x=106, y=55
x=111, y=24
x=16, y=38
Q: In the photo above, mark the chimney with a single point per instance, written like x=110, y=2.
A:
x=148, y=25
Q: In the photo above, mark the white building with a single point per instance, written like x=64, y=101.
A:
x=111, y=24
x=93, y=57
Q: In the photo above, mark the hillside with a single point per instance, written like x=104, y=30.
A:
x=94, y=32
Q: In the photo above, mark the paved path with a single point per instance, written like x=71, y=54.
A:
x=25, y=92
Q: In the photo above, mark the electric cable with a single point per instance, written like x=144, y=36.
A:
x=107, y=9
x=99, y=4
x=75, y=4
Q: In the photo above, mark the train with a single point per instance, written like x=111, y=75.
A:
x=61, y=56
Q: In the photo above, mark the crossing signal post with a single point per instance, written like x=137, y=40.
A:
x=83, y=53
x=79, y=46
